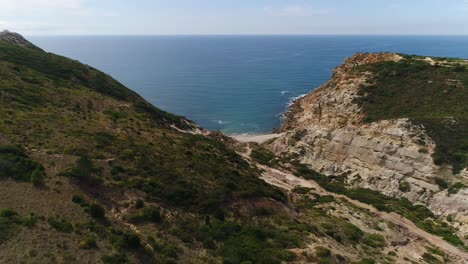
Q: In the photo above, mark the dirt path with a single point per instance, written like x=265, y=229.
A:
x=288, y=181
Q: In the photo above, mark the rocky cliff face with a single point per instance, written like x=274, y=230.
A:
x=325, y=130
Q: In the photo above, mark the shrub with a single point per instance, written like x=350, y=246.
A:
x=429, y=258
x=37, y=177
x=322, y=252
x=15, y=164
x=117, y=258
x=455, y=188
x=88, y=243
x=352, y=232
x=7, y=224
x=8, y=213
x=60, y=225
x=301, y=190
x=262, y=155
x=123, y=240
x=374, y=240
x=152, y=214
x=149, y=214
x=404, y=186
x=83, y=170
x=103, y=139
x=96, y=211
x=139, y=203
x=79, y=200
x=441, y=182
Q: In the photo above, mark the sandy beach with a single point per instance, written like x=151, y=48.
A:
x=257, y=138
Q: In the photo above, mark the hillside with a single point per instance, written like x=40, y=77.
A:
x=76, y=145
x=92, y=173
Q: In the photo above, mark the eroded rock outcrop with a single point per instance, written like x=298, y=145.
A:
x=325, y=130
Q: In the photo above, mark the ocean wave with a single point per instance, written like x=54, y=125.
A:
x=284, y=92
x=281, y=116
x=293, y=99
x=221, y=122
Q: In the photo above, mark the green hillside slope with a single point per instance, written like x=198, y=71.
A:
x=99, y=158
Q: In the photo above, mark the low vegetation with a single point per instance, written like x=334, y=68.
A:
x=418, y=214
x=16, y=164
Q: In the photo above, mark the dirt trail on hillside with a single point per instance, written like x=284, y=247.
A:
x=288, y=181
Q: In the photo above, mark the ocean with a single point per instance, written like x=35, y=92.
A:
x=236, y=84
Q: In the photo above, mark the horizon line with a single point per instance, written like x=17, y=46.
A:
x=245, y=35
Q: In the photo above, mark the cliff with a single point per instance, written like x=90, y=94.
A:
x=381, y=121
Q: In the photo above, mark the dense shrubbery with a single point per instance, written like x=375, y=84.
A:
x=240, y=241
x=15, y=164
x=262, y=155
x=97, y=211
x=197, y=173
x=60, y=225
x=418, y=214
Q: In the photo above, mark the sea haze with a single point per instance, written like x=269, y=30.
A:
x=237, y=84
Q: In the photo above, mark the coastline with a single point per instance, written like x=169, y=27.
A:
x=256, y=138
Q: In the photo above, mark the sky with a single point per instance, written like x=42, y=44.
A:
x=251, y=17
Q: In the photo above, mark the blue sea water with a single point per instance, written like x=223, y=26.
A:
x=237, y=84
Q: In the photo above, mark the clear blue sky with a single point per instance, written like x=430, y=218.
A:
x=148, y=17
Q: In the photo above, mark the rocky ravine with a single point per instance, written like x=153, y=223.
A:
x=325, y=130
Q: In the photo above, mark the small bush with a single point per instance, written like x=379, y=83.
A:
x=301, y=190
x=374, y=240
x=404, y=186
x=82, y=170
x=60, y=225
x=16, y=164
x=262, y=155
x=441, y=182
x=455, y=188
x=8, y=213
x=152, y=214
x=37, y=177
x=117, y=258
x=80, y=201
x=149, y=214
x=139, y=203
x=322, y=252
x=352, y=232
x=97, y=211
x=88, y=243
